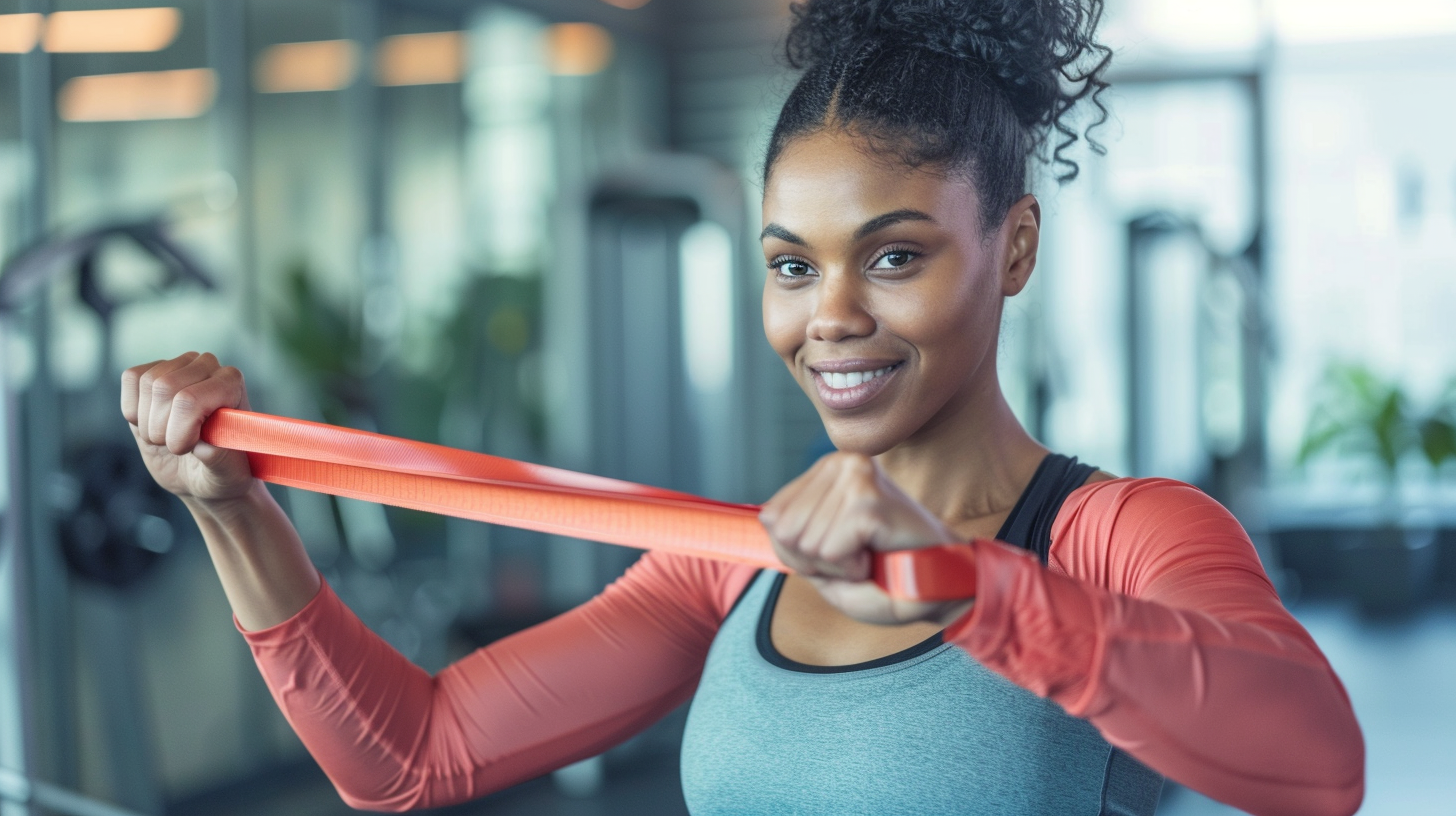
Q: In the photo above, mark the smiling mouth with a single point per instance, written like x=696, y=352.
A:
x=840, y=380
x=843, y=390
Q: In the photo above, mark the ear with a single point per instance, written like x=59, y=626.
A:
x=1022, y=229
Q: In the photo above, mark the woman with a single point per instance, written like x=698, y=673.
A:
x=1123, y=629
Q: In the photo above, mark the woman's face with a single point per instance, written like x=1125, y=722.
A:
x=884, y=292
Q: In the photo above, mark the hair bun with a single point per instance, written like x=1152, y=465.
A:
x=1027, y=47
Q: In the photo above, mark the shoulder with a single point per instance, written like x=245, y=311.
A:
x=1108, y=499
x=1119, y=531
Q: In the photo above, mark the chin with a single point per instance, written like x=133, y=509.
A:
x=866, y=437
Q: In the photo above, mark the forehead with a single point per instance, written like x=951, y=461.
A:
x=833, y=180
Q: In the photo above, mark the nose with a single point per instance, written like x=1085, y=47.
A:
x=840, y=311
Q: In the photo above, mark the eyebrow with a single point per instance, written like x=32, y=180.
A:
x=865, y=230
x=776, y=231
x=879, y=222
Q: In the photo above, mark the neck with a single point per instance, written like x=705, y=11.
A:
x=969, y=463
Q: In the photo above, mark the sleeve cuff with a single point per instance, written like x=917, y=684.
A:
x=323, y=604
x=1036, y=628
x=984, y=629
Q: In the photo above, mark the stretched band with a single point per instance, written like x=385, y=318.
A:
x=418, y=475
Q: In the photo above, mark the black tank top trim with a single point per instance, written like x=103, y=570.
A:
x=1028, y=526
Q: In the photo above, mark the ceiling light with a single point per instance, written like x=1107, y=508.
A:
x=324, y=65
x=421, y=59
x=578, y=49
x=107, y=30
x=19, y=32
x=131, y=97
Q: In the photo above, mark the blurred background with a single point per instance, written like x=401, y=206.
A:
x=529, y=228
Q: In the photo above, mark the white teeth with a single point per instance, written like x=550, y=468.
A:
x=850, y=379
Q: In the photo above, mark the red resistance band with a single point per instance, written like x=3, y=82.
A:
x=437, y=479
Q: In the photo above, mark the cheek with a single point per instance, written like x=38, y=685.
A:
x=785, y=320
x=952, y=318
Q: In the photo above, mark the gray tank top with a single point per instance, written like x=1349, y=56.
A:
x=925, y=731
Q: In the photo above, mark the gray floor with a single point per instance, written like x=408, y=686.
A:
x=1401, y=675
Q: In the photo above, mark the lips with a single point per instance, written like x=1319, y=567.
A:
x=846, y=384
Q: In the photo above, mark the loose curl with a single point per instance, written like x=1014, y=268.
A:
x=975, y=87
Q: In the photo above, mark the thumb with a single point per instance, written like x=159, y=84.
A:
x=210, y=455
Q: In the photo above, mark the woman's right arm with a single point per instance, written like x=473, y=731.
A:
x=259, y=558
x=390, y=736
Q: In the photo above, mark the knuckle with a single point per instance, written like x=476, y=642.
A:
x=185, y=403
x=164, y=386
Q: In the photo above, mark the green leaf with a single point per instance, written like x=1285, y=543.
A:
x=1438, y=440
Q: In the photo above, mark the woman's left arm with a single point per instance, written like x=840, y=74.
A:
x=1155, y=621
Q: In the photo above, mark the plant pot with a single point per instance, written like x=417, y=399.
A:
x=1388, y=569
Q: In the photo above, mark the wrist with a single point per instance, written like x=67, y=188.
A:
x=228, y=510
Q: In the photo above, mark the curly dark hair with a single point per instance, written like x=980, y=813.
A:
x=974, y=87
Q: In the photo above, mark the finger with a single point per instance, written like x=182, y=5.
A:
x=130, y=379
x=165, y=385
x=826, y=515
x=793, y=508
x=843, y=536
x=849, y=543
x=144, y=391
x=773, y=509
x=192, y=405
x=861, y=516
x=166, y=390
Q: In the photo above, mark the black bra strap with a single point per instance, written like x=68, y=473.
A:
x=1030, y=524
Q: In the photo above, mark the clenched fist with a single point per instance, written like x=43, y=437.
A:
x=827, y=523
x=166, y=403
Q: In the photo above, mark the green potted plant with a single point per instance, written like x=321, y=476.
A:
x=1359, y=413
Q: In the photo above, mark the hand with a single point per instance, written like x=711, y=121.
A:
x=826, y=524
x=166, y=403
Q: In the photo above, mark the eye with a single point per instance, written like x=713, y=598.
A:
x=895, y=259
x=791, y=267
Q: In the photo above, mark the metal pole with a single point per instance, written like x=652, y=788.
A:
x=17, y=710
x=41, y=631
x=380, y=306
x=227, y=53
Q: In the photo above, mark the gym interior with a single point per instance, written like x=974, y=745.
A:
x=530, y=228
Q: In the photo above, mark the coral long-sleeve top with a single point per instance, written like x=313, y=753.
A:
x=1152, y=619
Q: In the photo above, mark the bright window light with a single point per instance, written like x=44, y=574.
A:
x=323, y=65
x=1200, y=25
x=706, y=288
x=421, y=59
x=578, y=49
x=19, y=32
x=132, y=97
x=112, y=30
x=1315, y=21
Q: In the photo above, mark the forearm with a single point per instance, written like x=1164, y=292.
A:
x=264, y=569
x=393, y=738
x=1247, y=712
